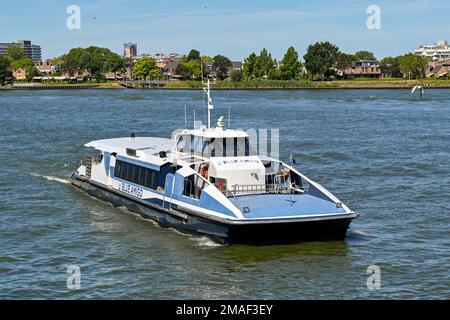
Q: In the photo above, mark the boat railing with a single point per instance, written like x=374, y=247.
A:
x=248, y=189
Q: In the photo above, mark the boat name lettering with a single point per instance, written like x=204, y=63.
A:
x=128, y=188
x=233, y=161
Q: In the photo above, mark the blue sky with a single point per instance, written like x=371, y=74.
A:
x=233, y=28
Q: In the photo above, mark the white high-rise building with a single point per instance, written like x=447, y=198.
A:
x=438, y=52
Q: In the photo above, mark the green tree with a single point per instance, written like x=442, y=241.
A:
x=99, y=77
x=32, y=72
x=194, y=67
x=191, y=66
x=275, y=74
x=264, y=64
x=320, y=58
x=114, y=62
x=93, y=59
x=5, y=69
x=236, y=75
x=190, y=69
x=15, y=53
x=17, y=59
x=71, y=62
x=183, y=71
x=221, y=64
x=207, y=60
x=146, y=69
x=344, y=61
x=412, y=65
x=290, y=66
x=390, y=67
x=364, y=55
x=249, y=66
x=193, y=55
x=24, y=63
x=57, y=60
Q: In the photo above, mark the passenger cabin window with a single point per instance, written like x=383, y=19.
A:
x=140, y=175
x=193, y=186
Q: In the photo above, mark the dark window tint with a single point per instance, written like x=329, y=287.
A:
x=137, y=174
x=212, y=146
x=247, y=147
x=193, y=186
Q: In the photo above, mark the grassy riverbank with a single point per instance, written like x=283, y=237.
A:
x=62, y=85
x=308, y=84
x=263, y=84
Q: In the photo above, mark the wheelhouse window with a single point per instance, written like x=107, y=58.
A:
x=184, y=143
x=214, y=147
x=197, y=145
x=229, y=147
x=217, y=148
x=243, y=147
x=205, y=149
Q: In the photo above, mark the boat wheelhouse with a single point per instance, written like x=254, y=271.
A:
x=210, y=181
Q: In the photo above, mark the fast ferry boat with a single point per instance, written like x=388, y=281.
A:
x=208, y=181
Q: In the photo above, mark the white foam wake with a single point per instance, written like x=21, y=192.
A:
x=203, y=241
x=359, y=232
x=51, y=178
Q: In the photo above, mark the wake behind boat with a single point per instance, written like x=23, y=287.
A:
x=208, y=181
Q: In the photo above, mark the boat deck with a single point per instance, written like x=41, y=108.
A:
x=263, y=206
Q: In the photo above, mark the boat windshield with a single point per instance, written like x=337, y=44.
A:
x=213, y=147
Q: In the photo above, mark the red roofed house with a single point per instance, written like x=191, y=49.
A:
x=19, y=74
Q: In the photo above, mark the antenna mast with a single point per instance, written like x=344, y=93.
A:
x=201, y=68
x=210, y=103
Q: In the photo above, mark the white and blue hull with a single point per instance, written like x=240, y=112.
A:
x=273, y=218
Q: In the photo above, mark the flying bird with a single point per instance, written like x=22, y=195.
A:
x=419, y=87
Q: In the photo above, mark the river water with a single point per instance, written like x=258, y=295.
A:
x=385, y=153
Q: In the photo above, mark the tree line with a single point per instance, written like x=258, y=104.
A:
x=95, y=60
x=14, y=59
x=194, y=66
x=322, y=61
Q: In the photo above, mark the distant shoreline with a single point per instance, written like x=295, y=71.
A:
x=252, y=85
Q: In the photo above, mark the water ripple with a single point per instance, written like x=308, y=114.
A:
x=384, y=153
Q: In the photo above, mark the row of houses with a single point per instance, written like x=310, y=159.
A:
x=362, y=69
x=169, y=63
x=370, y=69
x=438, y=69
